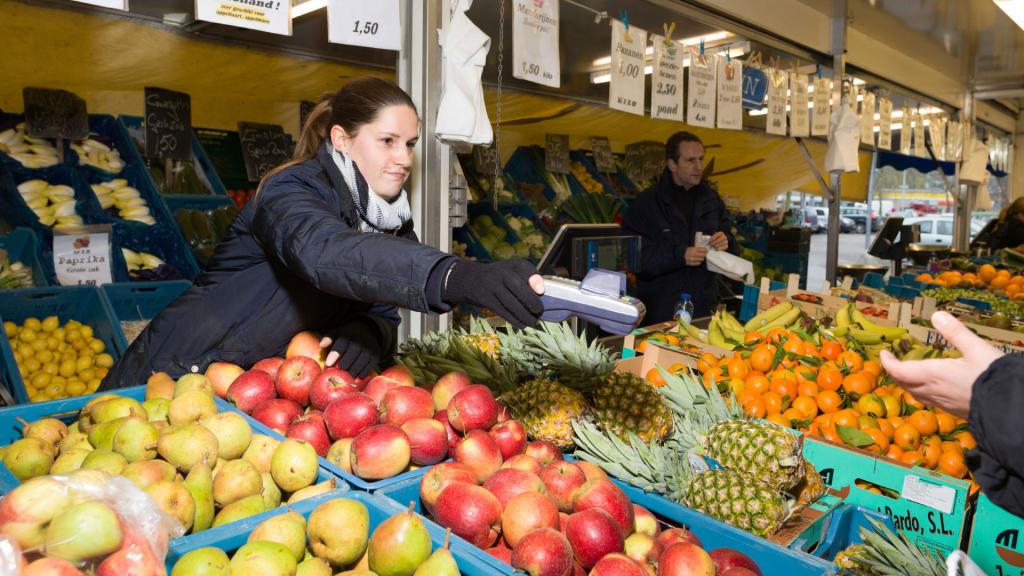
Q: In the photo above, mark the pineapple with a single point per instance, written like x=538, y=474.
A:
x=810, y=488
x=486, y=342
x=765, y=451
x=627, y=403
x=883, y=553
x=553, y=348
x=738, y=499
x=477, y=354
x=547, y=410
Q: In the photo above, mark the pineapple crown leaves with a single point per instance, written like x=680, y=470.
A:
x=687, y=397
x=554, y=347
x=889, y=554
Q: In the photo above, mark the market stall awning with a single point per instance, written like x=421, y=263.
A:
x=923, y=165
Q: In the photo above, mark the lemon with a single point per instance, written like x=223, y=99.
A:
x=32, y=324
x=58, y=379
x=42, y=397
x=40, y=380
x=67, y=368
x=44, y=356
x=73, y=324
x=38, y=345
x=11, y=329
x=104, y=360
x=96, y=345
x=52, y=343
x=17, y=357
x=101, y=372
x=50, y=323
x=87, y=374
x=51, y=368
x=86, y=331
x=76, y=388
x=26, y=334
x=72, y=335
x=59, y=334
x=94, y=385
x=32, y=365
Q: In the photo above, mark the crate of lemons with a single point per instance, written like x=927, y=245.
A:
x=58, y=360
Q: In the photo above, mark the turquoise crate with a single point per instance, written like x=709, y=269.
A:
x=137, y=178
x=82, y=303
x=131, y=301
x=474, y=249
x=583, y=160
x=133, y=125
x=22, y=245
x=380, y=509
x=843, y=529
x=751, y=293
x=163, y=241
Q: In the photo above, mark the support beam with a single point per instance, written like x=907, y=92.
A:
x=871, y=194
x=839, y=25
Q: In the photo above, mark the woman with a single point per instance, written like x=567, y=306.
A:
x=1009, y=232
x=326, y=245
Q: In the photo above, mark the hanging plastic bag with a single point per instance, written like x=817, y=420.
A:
x=730, y=266
x=462, y=115
x=843, y=140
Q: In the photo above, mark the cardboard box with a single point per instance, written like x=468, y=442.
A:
x=1005, y=340
x=997, y=540
x=820, y=305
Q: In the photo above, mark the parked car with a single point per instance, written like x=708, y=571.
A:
x=816, y=218
x=938, y=230
x=860, y=218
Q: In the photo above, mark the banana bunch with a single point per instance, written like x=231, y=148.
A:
x=909, y=348
x=54, y=205
x=31, y=152
x=129, y=203
x=852, y=323
x=95, y=153
x=784, y=315
x=140, y=260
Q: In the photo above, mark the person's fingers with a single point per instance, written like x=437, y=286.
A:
x=526, y=296
x=537, y=283
x=360, y=365
x=909, y=373
x=514, y=311
x=957, y=334
x=325, y=342
x=332, y=358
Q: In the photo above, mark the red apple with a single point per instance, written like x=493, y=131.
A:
x=544, y=452
x=608, y=497
x=251, y=389
x=562, y=479
x=307, y=344
x=473, y=408
x=645, y=522
x=470, y=511
x=50, y=567
x=380, y=452
x=405, y=403
x=525, y=513
x=294, y=378
x=510, y=436
x=737, y=571
x=399, y=374
x=277, y=413
x=507, y=483
x=617, y=565
x=453, y=436
x=672, y=535
x=428, y=440
x=222, y=375
x=524, y=463
x=479, y=451
x=592, y=534
x=134, y=558
x=642, y=548
x=329, y=385
x=362, y=382
x=592, y=471
x=310, y=427
x=379, y=386
x=437, y=478
x=447, y=386
x=731, y=559
x=349, y=415
x=544, y=552
x=268, y=365
x=501, y=552
x=685, y=559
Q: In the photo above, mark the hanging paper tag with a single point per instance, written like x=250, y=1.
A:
x=867, y=119
x=602, y=150
x=821, y=111
x=954, y=141
x=112, y=4
x=937, y=131
x=274, y=17
x=730, y=94
x=884, y=124
x=667, y=80
x=906, y=131
x=626, y=91
x=82, y=255
x=700, y=91
x=919, y=149
x=799, y=118
x=374, y=24
x=777, y=83
x=535, y=42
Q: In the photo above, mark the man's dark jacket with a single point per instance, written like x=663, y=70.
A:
x=997, y=402
x=666, y=233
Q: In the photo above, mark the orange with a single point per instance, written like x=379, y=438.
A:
x=886, y=428
x=857, y=384
x=713, y=376
x=952, y=463
x=1000, y=282
x=654, y=378
x=737, y=368
x=779, y=419
x=951, y=445
x=642, y=346
x=736, y=386
x=794, y=346
x=761, y=357
x=776, y=334
x=747, y=396
x=848, y=417
x=828, y=401
x=907, y=437
x=1018, y=279
x=755, y=408
x=706, y=361
x=880, y=439
x=829, y=378
x=894, y=452
x=805, y=374
x=932, y=452
x=1013, y=289
x=987, y=272
x=867, y=422
x=830, y=349
x=672, y=340
x=913, y=457
x=909, y=399
x=925, y=278
x=966, y=441
x=807, y=406
x=892, y=406
x=774, y=402
x=871, y=405
x=924, y=421
x=752, y=336
x=873, y=368
x=758, y=383
x=851, y=361
x=810, y=349
x=807, y=389
x=793, y=414
x=679, y=368
x=784, y=387
x=783, y=375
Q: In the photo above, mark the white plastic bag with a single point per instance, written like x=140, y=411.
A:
x=462, y=115
x=843, y=140
x=959, y=563
x=730, y=266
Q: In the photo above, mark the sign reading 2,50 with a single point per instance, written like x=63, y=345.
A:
x=366, y=28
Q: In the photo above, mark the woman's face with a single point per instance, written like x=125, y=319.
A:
x=383, y=148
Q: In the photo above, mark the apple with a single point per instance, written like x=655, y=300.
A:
x=510, y=436
x=608, y=497
x=685, y=559
x=399, y=374
x=503, y=413
x=562, y=479
x=545, y=452
x=544, y=552
x=49, y=567
x=592, y=471
x=310, y=427
x=362, y=382
x=222, y=375
x=294, y=378
x=379, y=452
x=645, y=522
x=250, y=389
x=307, y=344
x=617, y=565
x=405, y=403
x=437, y=478
x=269, y=365
x=525, y=513
x=672, y=535
x=501, y=552
x=349, y=415
x=737, y=571
x=470, y=511
x=729, y=558
x=592, y=533
x=480, y=452
x=329, y=385
x=447, y=386
x=642, y=548
x=379, y=386
x=524, y=463
x=453, y=436
x=428, y=440
x=507, y=483
x=277, y=413
x=473, y=408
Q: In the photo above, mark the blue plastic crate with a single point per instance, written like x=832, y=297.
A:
x=526, y=165
x=22, y=245
x=843, y=529
x=106, y=129
x=82, y=303
x=523, y=210
x=137, y=178
x=177, y=202
x=132, y=301
x=583, y=160
x=17, y=212
x=874, y=280
x=163, y=241
x=133, y=125
x=751, y=294
x=474, y=249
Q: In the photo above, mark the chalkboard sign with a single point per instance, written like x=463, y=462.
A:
x=602, y=154
x=305, y=107
x=51, y=113
x=264, y=147
x=168, y=124
x=485, y=159
x=556, y=153
x=655, y=159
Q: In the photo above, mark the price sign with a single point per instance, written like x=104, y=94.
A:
x=755, y=86
x=82, y=256
x=168, y=124
x=667, y=80
x=822, y=110
x=700, y=92
x=556, y=153
x=264, y=15
x=535, y=42
x=919, y=149
x=264, y=147
x=884, y=124
x=374, y=24
x=654, y=159
x=55, y=114
x=626, y=88
x=635, y=161
x=602, y=150
x=799, y=116
x=906, y=132
x=954, y=141
x=112, y=4
x=485, y=158
x=867, y=119
x=730, y=94
x=777, y=101
x=937, y=131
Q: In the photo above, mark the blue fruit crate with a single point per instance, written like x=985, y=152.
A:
x=106, y=129
x=583, y=160
x=177, y=202
x=751, y=293
x=17, y=212
x=203, y=165
x=844, y=526
x=163, y=241
x=22, y=245
x=137, y=178
x=82, y=303
x=524, y=210
x=131, y=301
x=474, y=249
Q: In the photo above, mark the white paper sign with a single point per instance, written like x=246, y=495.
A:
x=626, y=91
x=730, y=94
x=906, y=132
x=822, y=110
x=937, y=131
x=954, y=141
x=667, y=80
x=272, y=16
x=919, y=149
x=535, y=42
x=778, y=82
x=82, y=257
x=934, y=496
x=867, y=119
x=884, y=124
x=799, y=117
x=112, y=4
x=374, y=24
x=700, y=90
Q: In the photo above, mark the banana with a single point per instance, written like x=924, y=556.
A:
x=767, y=316
x=150, y=261
x=32, y=186
x=840, y=331
x=865, y=337
x=715, y=337
x=843, y=316
x=731, y=322
x=918, y=352
x=727, y=331
x=200, y=485
x=695, y=332
x=784, y=320
x=889, y=333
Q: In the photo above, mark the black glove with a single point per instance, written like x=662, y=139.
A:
x=358, y=346
x=501, y=286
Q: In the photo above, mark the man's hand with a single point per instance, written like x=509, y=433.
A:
x=719, y=241
x=695, y=255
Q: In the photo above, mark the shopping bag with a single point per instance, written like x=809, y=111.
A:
x=730, y=266
x=843, y=141
x=958, y=563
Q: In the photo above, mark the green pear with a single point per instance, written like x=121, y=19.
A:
x=102, y=434
x=271, y=493
x=106, y=460
x=49, y=430
x=148, y=472
x=28, y=458
x=338, y=531
x=263, y=557
x=340, y=454
x=199, y=483
x=440, y=563
x=28, y=509
x=218, y=464
x=190, y=407
x=74, y=427
x=69, y=461
x=118, y=407
x=207, y=561
x=294, y=465
x=314, y=490
x=237, y=479
x=314, y=567
x=184, y=446
x=136, y=440
x=85, y=421
x=358, y=572
x=157, y=408
x=174, y=499
x=83, y=531
x=87, y=483
x=399, y=545
x=260, y=451
x=288, y=529
x=244, y=508
x=193, y=382
x=232, y=431
x=74, y=440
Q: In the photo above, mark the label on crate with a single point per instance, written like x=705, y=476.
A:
x=168, y=124
x=700, y=91
x=940, y=498
x=667, y=80
x=359, y=23
x=54, y=114
x=263, y=15
x=535, y=55
x=627, y=82
x=82, y=256
x=264, y=146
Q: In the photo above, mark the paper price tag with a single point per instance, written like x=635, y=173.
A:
x=954, y=141
x=777, y=100
x=917, y=490
x=701, y=99
x=82, y=256
x=884, y=124
x=730, y=94
x=374, y=24
x=867, y=118
x=919, y=149
x=266, y=16
x=556, y=153
x=799, y=116
x=535, y=42
x=937, y=131
x=667, y=80
x=112, y=4
x=822, y=110
x=906, y=133
x=626, y=90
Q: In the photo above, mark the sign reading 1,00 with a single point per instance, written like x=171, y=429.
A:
x=630, y=70
x=366, y=28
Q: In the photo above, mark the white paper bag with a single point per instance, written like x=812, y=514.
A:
x=959, y=563
x=973, y=168
x=730, y=266
x=462, y=115
x=843, y=140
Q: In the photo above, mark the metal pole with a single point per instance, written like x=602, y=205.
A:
x=839, y=21
x=963, y=196
x=871, y=193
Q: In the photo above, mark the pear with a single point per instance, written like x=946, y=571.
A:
x=232, y=431
x=114, y=408
x=399, y=545
x=136, y=440
x=148, y=472
x=441, y=562
x=85, y=421
x=313, y=567
x=74, y=440
x=199, y=483
x=340, y=454
x=157, y=408
x=160, y=385
x=263, y=557
x=338, y=531
x=193, y=382
x=69, y=461
x=294, y=465
x=260, y=451
x=175, y=500
x=87, y=484
x=106, y=460
x=207, y=561
x=28, y=458
x=184, y=446
x=49, y=430
x=102, y=435
x=288, y=529
x=237, y=479
x=244, y=508
x=82, y=532
x=271, y=493
x=358, y=572
x=190, y=407
x=314, y=490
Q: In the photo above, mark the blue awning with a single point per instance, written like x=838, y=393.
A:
x=923, y=165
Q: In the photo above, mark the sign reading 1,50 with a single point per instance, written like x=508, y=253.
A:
x=531, y=69
x=366, y=28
